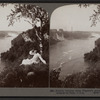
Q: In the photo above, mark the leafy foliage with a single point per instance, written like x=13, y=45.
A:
x=3, y=4
x=78, y=80
x=84, y=5
x=28, y=11
x=95, y=17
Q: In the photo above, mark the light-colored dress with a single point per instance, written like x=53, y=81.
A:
x=35, y=59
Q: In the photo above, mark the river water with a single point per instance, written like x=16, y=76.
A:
x=5, y=44
x=69, y=54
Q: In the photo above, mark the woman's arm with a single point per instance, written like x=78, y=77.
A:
x=41, y=59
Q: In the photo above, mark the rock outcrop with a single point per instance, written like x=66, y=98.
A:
x=56, y=36
x=94, y=55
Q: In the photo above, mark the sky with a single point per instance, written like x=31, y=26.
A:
x=73, y=18
x=18, y=26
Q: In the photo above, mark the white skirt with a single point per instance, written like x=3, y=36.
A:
x=28, y=62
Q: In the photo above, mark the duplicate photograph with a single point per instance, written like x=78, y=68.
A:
x=24, y=45
x=75, y=46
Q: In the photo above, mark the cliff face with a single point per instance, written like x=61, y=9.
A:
x=19, y=51
x=20, y=48
x=94, y=55
x=56, y=36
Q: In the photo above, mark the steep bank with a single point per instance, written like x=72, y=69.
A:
x=57, y=36
x=21, y=76
x=90, y=78
x=94, y=55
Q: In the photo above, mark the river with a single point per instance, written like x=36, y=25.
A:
x=5, y=44
x=69, y=54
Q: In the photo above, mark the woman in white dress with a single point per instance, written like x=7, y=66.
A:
x=34, y=60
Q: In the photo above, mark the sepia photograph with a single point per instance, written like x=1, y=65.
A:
x=24, y=45
x=49, y=49
x=75, y=46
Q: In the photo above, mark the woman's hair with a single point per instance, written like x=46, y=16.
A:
x=37, y=50
x=32, y=50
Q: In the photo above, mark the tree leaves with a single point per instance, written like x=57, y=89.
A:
x=27, y=11
x=95, y=18
x=84, y=5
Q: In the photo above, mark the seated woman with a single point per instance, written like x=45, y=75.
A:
x=34, y=60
